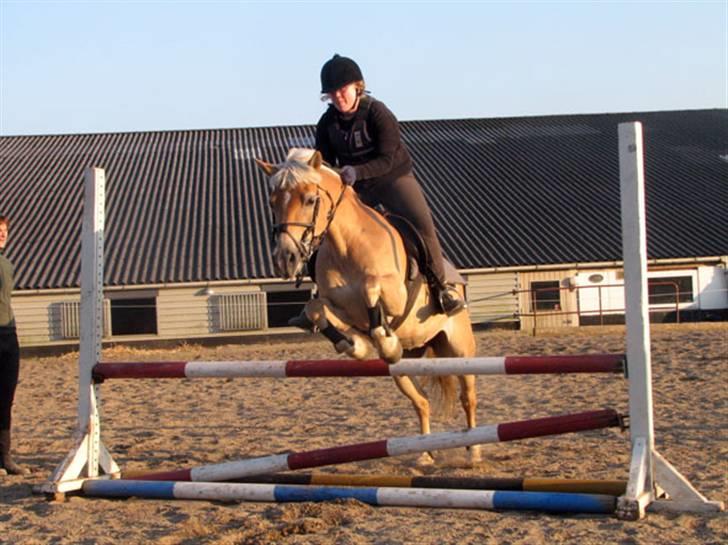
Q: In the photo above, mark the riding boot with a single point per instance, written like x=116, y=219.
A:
x=6, y=462
x=450, y=300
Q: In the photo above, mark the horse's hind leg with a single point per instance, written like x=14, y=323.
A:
x=422, y=407
x=469, y=401
x=457, y=341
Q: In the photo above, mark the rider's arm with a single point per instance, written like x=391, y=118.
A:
x=389, y=148
x=323, y=144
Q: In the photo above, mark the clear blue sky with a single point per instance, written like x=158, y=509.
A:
x=78, y=67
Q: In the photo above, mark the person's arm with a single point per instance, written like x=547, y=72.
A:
x=323, y=144
x=387, y=141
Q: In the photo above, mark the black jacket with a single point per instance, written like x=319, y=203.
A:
x=369, y=141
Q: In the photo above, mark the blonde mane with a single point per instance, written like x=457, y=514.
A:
x=295, y=170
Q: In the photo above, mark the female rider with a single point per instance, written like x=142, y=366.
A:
x=361, y=136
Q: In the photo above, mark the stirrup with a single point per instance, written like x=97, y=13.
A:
x=450, y=301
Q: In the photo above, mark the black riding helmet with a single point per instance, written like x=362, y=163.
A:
x=337, y=72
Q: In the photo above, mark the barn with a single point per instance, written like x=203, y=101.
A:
x=527, y=209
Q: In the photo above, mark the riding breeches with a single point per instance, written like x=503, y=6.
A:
x=404, y=197
x=9, y=370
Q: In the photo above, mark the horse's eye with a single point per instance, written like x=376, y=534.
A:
x=310, y=200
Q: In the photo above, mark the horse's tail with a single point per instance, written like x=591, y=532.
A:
x=442, y=392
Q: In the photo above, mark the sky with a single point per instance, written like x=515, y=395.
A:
x=70, y=67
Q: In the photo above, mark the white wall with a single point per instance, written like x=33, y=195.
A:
x=710, y=289
x=713, y=283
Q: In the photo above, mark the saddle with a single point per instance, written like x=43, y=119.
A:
x=419, y=266
x=418, y=257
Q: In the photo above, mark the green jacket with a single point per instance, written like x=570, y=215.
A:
x=7, y=318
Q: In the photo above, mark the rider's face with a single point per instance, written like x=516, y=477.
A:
x=345, y=98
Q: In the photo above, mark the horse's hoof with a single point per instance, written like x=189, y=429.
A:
x=388, y=346
x=425, y=459
x=476, y=455
x=355, y=349
x=394, y=354
x=343, y=347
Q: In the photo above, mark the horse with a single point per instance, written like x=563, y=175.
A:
x=361, y=269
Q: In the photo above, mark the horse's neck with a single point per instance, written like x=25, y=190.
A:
x=352, y=218
x=341, y=233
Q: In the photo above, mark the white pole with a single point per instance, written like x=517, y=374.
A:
x=640, y=486
x=91, y=319
x=634, y=245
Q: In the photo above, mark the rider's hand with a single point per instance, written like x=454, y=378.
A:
x=348, y=174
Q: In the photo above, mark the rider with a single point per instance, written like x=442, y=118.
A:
x=361, y=137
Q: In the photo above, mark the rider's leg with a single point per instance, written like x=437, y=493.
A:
x=405, y=198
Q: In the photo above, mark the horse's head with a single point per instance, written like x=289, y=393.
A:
x=300, y=215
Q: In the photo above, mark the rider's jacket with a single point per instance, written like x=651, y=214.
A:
x=369, y=140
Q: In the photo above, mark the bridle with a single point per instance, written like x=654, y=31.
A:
x=309, y=241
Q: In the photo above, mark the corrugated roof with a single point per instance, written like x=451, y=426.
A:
x=188, y=206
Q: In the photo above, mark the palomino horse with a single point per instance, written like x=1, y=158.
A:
x=360, y=274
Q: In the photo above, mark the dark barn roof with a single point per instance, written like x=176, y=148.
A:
x=191, y=206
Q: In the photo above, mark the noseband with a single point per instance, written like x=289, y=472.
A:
x=310, y=241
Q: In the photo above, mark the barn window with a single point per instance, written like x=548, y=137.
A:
x=668, y=290
x=284, y=305
x=134, y=316
x=545, y=295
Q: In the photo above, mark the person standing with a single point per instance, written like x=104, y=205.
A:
x=9, y=356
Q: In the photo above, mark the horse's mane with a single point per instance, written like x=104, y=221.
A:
x=295, y=170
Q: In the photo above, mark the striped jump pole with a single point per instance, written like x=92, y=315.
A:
x=550, y=502
x=507, y=365
x=523, y=484
x=510, y=431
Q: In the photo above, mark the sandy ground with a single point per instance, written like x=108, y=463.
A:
x=162, y=424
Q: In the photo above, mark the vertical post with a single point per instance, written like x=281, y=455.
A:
x=91, y=319
x=640, y=487
x=634, y=246
x=89, y=458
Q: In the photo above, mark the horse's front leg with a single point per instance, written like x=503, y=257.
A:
x=345, y=339
x=386, y=341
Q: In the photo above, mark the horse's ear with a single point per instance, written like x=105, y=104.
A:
x=316, y=160
x=269, y=169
